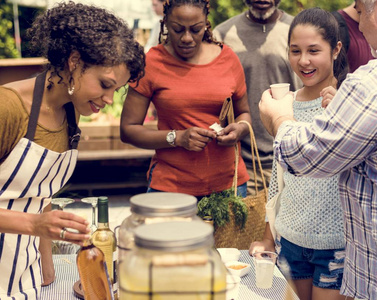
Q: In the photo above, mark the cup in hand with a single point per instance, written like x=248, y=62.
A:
x=264, y=262
x=279, y=90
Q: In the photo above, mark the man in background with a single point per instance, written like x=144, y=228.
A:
x=357, y=47
x=259, y=38
x=158, y=8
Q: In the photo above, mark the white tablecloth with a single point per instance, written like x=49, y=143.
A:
x=67, y=275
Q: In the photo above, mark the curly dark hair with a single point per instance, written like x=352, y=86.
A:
x=204, y=4
x=101, y=38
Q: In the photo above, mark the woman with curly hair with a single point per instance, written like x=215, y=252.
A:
x=188, y=76
x=91, y=54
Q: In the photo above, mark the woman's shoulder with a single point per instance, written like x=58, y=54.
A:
x=229, y=57
x=11, y=103
x=13, y=120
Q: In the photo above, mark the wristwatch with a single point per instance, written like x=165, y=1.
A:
x=170, y=138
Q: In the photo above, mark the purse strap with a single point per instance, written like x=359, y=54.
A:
x=279, y=171
x=254, y=153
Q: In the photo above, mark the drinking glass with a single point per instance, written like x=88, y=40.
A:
x=62, y=247
x=264, y=262
x=61, y=202
x=93, y=201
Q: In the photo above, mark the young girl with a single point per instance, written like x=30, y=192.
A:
x=309, y=223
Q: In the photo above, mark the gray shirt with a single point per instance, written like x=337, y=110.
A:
x=263, y=52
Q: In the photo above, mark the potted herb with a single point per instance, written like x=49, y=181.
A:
x=219, y=205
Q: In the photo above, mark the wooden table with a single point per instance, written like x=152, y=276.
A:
x=67, y=275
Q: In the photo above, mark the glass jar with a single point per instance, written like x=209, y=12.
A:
x=173, y=260
x=149, y=208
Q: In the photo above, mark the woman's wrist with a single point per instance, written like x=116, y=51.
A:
x=245, y=127
x=278, y=121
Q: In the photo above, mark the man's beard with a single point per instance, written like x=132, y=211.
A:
x=262, y=16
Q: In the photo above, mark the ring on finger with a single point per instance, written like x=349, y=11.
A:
x=62, y=233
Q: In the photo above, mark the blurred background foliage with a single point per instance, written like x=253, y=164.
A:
x=221, y=10
x=7, y=42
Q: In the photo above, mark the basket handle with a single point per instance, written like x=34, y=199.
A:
x=254, y=152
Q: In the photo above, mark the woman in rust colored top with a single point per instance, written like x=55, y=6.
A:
x=187, y=78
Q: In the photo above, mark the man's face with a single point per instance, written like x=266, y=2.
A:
x=262, y=9
x=368, y=22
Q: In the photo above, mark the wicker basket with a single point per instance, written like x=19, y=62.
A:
x=231, y=235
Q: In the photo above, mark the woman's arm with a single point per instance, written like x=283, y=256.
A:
x=132, y=130
x=234, y=132
x=48, y=271
x=47, y=225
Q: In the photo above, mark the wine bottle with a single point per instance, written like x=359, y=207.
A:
x=94, y=277
x=104, y=239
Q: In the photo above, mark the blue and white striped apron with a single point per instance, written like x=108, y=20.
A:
x=29, y=177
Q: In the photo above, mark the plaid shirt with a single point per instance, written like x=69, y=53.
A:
x=344, y=140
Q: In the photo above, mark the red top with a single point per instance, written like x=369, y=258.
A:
x=358, y=53
x=187, y=95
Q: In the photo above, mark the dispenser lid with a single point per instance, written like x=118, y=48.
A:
x=163, y=204
x=174, y=236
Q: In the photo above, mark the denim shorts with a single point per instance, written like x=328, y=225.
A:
x=325, y=267
x=241, y=189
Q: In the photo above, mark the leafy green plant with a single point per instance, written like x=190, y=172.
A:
x=218, y=205
x=7, y=42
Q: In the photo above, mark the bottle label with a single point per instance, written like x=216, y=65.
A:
x=109, y=281
x=115, y=273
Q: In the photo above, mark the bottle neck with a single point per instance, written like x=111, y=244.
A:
x=103, y=213
x=87, y=243
x=103, y=225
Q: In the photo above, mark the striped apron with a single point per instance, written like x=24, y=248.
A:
x=29, y=177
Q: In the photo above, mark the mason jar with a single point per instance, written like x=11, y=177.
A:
x=173, y=260
x=149, y=208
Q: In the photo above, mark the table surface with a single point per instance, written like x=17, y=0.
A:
x=67, y=275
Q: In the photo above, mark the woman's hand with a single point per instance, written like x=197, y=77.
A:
x=265, y=245
x=327, y=94
x=49, y=225
x=231, y=134
x=194, y=138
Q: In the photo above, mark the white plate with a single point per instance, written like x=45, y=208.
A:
x=229, y=254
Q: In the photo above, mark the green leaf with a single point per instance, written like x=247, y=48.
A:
x=218, y=205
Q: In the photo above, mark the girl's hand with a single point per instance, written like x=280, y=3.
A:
x=49, y=225
x=230, y=135
x=195, y=138
x=265, y=245
x=328, y=94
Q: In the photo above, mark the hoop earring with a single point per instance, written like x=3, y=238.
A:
x=71, y=86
